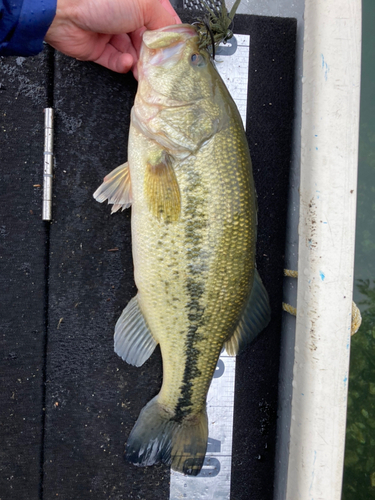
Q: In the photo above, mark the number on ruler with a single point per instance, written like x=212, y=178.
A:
x=211, y=467
x=227, y=49
x=213, y=445
x=220, y=368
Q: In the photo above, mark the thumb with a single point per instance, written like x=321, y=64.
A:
x=158, y=14
x=168, y=7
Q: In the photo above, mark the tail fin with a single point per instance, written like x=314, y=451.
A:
x=156, y=437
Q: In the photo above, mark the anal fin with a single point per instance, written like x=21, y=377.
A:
x=134, y=342
x=255, y=318
x=116, y=188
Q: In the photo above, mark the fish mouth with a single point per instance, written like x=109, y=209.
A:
x=164, y=47
x=180, y=28
x=167, y=57
x=157, y=39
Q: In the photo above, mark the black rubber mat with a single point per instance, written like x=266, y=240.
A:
x=23, y=255
x=68, y=402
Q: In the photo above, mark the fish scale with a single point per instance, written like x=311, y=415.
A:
x=210, y=230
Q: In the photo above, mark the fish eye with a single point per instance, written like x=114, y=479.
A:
x=197, y=60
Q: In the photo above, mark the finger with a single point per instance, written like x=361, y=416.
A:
x=123, y=43
x=135, y=71
x=115, y=60
x=168, y=7
x=156, y=16
x=136, y=39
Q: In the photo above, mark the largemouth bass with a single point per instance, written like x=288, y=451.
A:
x=189, y=181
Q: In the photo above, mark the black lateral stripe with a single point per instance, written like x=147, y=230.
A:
x=195, y=287
x=196, y=319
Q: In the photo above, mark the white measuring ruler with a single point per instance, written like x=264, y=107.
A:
x=213, y=482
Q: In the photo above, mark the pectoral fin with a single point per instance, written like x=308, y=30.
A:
x=116, y=188
x=255, y=318
x=161, y=188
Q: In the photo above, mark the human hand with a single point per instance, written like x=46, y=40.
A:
x=108, y=32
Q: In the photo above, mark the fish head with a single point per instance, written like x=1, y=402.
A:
x=181, y=100
x=172, y=66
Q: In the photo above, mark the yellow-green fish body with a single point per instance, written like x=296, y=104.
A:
x=189, y=181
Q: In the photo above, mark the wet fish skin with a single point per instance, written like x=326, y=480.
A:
x=190, y=183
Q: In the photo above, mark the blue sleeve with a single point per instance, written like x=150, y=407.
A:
x=23, y=25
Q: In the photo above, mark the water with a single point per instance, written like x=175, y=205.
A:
x=359, y=469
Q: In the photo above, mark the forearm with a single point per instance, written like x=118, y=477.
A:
x=107, y=32
x=23, y=25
